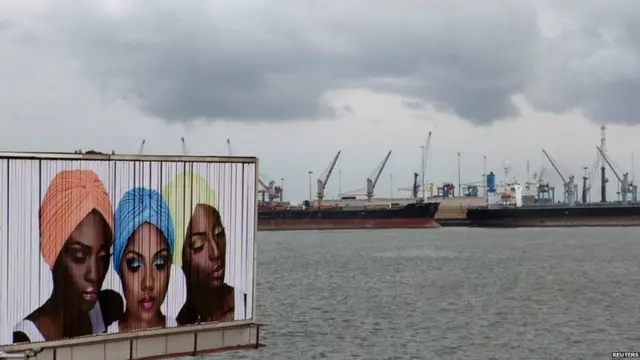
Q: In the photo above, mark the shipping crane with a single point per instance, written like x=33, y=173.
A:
x=325, y=176
x=184, y=146
x=603, y=174
x=425, y=158
x=569, y=187
x=626, y=186
x=587, y=181
x=539, y=175
x=269, y=191
x=546, y=192
x=141, y=148
x=423, y=185
x=371, y=183
x=415, y=188
x=272, y=192
x=372, y=180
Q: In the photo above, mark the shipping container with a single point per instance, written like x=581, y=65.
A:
x=151, y=255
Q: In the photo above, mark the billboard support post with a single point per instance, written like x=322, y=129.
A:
x=4, y=355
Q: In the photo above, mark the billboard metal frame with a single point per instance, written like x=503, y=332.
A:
x=238, y=332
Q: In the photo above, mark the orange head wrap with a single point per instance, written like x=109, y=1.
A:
x=71, y=196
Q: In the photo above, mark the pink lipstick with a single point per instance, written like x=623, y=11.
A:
x=147, y=302
x=218, y=273
x=90, y=294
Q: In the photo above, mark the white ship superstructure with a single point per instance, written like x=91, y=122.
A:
x=507, y=194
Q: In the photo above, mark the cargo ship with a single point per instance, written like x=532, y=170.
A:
x=559, y=215
x=378, y=215
x=514, y=205
x=346, y=212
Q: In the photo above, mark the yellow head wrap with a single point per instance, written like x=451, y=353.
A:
x=182, y=195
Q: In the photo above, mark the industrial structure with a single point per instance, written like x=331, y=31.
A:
x=507, y=207
x=570, y=188
x=325, y=176
x=422, y=185
x=356, y=209
x=372, y=181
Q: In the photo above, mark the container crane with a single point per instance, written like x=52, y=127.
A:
x=470, y=189
x=569, y=187
x=545, y=192
x=626, y=187
x=325, y=176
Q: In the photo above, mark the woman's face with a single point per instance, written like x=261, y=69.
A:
x=204, y=249
x=144, y=272
x=82, y=264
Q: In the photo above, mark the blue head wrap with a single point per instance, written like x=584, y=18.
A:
x=138, y=206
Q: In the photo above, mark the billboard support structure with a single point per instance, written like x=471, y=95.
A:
x=187, y=204
x=4, y=355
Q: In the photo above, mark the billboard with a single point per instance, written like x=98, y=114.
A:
x=110, y=246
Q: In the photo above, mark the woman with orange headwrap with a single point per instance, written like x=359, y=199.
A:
x=76, y=233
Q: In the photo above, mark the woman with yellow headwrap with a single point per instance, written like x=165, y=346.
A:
x=76, y=232
x=201, y=236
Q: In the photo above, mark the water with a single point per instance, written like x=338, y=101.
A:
x=450, y=293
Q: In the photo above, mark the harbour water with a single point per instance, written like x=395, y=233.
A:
x=449, y=293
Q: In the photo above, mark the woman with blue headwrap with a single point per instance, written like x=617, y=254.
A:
x=142, y=252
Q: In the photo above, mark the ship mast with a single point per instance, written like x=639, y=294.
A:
x=415, y=188
x=622, y=180
x=603, y=176
x=425, y=159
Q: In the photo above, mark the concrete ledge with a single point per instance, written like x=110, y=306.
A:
x=150, y=344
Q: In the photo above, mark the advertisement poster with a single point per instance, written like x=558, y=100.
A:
x=103, y=246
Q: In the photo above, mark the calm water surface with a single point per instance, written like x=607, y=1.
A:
x=451, y=293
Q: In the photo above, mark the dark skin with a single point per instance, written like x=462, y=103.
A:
x=209, y=299
x=145, y=278
x=78, y=274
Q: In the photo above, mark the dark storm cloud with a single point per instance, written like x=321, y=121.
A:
x=275, y=60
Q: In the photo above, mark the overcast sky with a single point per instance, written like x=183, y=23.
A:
x=293, y=82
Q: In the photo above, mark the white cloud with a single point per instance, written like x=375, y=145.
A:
x=107, y=74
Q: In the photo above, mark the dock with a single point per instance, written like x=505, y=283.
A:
x=453, y=210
